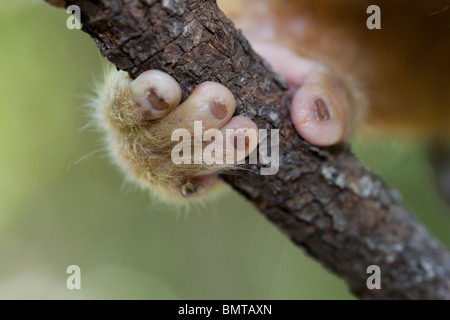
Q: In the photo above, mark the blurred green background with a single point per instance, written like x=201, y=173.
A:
x=63, y=203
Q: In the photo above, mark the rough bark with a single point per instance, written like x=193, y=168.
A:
x=323, y=199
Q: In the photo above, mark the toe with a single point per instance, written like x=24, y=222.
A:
x=211, y=103
x=199, y=185
x=320, y=110
x=294, y=68
x=241, y=139
x=326, y=107
x=156, y=94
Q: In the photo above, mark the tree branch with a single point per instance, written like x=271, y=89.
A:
x=323, y=199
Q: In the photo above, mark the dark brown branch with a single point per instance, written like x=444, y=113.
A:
x=323, y=199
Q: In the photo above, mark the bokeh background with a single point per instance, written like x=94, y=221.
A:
x=63, y=203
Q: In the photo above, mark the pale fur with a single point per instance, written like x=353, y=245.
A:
x=143, y=148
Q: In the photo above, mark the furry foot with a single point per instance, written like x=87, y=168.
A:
x=145, y=122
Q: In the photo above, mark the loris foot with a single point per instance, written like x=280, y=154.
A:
x=328, y=105
x=142, y=117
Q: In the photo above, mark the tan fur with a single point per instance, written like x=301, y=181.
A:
x=143, y=148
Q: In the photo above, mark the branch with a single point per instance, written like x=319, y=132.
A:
x=323, y=199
